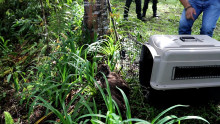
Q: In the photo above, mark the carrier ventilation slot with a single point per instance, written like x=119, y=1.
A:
x=196, y=72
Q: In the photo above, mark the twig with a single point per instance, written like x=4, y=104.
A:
x=113, y=21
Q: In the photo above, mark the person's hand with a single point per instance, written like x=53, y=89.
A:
x=190, y=12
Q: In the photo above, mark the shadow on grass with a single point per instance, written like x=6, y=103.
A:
x=204, y=102
x=193, y=97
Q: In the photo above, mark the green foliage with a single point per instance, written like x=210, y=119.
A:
x=66, y=17
x=110, y=117
x=58, y=70
x=13, y=66
x=64, y=116
x=171, y=119
x=20, y=20
x=77, y=117
x=110, y=47
x=8, y=118
x=114, y=118
x=110, y=50
x=62, y=71
x=2, y=1
x=4, y=45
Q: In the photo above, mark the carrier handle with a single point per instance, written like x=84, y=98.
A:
x=188, y=39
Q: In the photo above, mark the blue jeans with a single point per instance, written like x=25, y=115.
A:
x=211, y=13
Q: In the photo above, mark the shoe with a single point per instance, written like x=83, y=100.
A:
x=125, y=16
x=155, y=15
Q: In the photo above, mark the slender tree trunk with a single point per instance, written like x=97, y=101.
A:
x=46, y=29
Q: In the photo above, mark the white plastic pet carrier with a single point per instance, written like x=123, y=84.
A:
x=180, y=61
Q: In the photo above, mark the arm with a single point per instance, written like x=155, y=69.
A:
x=190, y=11
x=185, y=3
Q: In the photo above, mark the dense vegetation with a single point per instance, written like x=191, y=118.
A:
x=48, y=72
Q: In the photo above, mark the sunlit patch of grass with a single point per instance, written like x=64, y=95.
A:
x=169, y=12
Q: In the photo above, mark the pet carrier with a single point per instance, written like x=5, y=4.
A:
x=179, y=62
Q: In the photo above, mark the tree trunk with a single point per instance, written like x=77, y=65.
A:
x=95, y=20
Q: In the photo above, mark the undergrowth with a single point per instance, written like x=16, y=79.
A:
x=64, y=79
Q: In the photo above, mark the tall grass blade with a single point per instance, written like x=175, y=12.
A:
x=128, y=110
x=84, y=102
x=49, y=106
x=95, y=107
x=117, y=108
x=166, y=119
x=110, y=104
x=138, y=121
x=165, y=111
x=90, y=115
x=116, y=119
x=102, y=92
x=97, y=121
x=187, y=118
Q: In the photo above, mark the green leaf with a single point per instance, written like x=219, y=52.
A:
x=139, y=121
x=2, y=38
x=102, y=92
x=49, y=106
x=91, y=115
x=9, y=77
x=109, y=98
x=97, y=121
x=8, y=118
x=128, y=110
x=187, y=118
x=116, y=118
x=48, y=3
x=117, y=108
x=166, y=119
x=165, y=111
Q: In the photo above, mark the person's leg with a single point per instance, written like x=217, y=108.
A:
x=185, y=24
x=154, y=7
x=210, y=17
x=126, y=10
x=146, y=2
x=138, y=9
